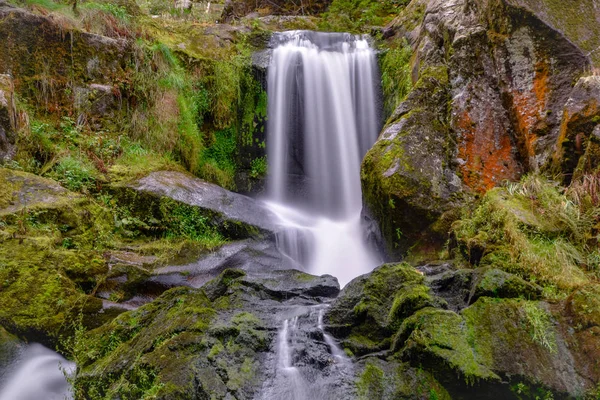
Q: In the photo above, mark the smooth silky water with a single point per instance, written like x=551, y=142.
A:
x=37, y=374
x=323, y=116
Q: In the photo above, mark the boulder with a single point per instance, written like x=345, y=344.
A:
x=491, y=79
x=217, y=342
x=235, y=215
x=137, y=280
x=24, y=191
x=492, y=343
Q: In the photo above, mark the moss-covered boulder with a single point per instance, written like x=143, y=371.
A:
x=497, y=283
x=489, y=343
x=48, y=264
x=584, y=307
x=370, y=308
x=438, y=340
x=529, y=229
x=24, y=191
x=160, y=195
x=393, y=379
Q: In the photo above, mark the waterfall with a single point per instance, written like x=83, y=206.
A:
x=39, y=374
x=323, y=117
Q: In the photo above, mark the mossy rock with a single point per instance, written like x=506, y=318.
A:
x=37, y=298
x=406, y=181
x=439, y=340
x=363, y=313
x=522, y=340
x=524, y=230
x=410, y=299
x=392, y=379
x=584, y=307
x=167, y=200
x=496, y=283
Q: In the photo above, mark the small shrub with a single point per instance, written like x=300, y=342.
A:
x=258, y=167
x=75, y=174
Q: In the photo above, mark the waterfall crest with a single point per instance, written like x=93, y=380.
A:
x=323, y=117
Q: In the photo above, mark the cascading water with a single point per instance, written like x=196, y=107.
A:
x=323, y=117
x=38, y=374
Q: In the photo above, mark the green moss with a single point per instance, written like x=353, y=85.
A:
x=439, y=340
x=584, y=305
x=396, y=74
x=409, y=299
x=529, y=229
x=371, y=383
x=359, y=15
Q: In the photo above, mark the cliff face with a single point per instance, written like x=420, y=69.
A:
x=492, y=80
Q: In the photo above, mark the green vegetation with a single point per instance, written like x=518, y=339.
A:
x=359, y=15
x=541, y=326
x=396, y=79
x=530, y=229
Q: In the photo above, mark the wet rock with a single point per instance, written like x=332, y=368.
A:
x=284, y=285
x=218, y=341
x=136, y=280
x=235, y=215
x=8, y=118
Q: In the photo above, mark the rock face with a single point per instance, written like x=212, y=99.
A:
x=57, y=56
x=8, y=118
x=494, y=345
x=236, y=215
x=492, y=79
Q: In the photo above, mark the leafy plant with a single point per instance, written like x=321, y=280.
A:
x=75, y=174
x=258, y=167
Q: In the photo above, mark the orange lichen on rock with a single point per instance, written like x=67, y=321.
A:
x=529, y=109
x=486, y=151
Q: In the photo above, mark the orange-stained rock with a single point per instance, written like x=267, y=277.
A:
x=577, y=146
x=506, y=77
